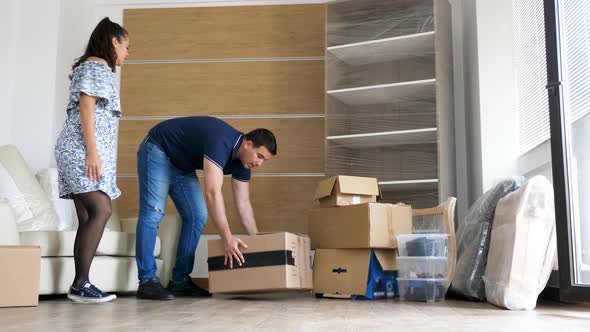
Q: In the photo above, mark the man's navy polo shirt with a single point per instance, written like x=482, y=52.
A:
x=188, y=140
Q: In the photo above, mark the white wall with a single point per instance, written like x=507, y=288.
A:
x=497, y=90
x=74, y=29
x=35, y=52
x=8, y=21
x=490, y=122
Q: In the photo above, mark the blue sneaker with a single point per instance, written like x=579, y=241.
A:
x=88, y=293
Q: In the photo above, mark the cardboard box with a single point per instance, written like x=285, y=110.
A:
x=371, y=225
x=273, y=262
x=346, y=190
x=355, y=273
x=19, y=280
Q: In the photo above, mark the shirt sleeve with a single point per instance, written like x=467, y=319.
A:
x=217, y=153
x=94, y=82
x=240, y=172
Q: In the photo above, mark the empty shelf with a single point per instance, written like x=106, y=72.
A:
x=424, y=184
x=387, y=93
x=388, y=49
x=388, y=138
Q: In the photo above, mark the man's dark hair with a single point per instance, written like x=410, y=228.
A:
x=260, y=137
x=101, y=44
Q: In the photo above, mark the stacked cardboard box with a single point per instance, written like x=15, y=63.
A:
x=355, y=239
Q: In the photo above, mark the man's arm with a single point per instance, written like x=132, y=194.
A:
x=213, y=180
x=241, y=192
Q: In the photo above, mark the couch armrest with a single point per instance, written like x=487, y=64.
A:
x=9, y=235
x=168, y=232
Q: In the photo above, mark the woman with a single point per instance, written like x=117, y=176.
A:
x=86, y=148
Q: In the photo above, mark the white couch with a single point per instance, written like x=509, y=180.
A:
x=27, y=218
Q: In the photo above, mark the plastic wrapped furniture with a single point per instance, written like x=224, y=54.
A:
x=522, y=246
x=473, y=239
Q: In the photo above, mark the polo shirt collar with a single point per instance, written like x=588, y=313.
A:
x=237, y=146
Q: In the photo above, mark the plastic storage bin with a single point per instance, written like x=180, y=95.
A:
x=421, y=245
x=423, y=267
x=425, y=290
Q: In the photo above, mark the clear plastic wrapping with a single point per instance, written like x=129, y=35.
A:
x=473, y=240
x=381, y=96
x=522, y=246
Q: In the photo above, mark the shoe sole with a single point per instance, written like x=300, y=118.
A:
x=86, y=300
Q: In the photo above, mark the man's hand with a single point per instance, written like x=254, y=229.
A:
x=232, y=250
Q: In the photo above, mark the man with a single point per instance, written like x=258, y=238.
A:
x=166, y=164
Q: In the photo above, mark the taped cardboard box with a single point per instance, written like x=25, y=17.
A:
x=355, y=273
x=273, y=262
x=19, y=280
x=370, y=225
x=344, y=190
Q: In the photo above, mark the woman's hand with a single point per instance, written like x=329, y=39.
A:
x=92, y=170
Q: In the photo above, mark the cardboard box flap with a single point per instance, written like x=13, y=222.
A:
x=387, y=259
x=343, y=184
x=358, y=185
x=324, y=188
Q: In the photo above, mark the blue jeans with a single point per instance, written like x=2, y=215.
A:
x=158, y=178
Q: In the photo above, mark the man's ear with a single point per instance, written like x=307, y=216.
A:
x=248, y=144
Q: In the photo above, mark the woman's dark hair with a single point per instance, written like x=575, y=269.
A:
x=100, y=43
x=260, y=137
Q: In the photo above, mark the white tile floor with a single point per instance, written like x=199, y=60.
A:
x=289, y=312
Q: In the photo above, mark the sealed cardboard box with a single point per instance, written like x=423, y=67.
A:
x=370, y=225
x=273, y=262
x=346, y=190
x=19, y=280
x=355, y=273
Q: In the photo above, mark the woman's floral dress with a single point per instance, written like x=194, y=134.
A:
x=94, y=79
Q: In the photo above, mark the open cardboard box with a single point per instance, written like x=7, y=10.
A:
x=345, y=190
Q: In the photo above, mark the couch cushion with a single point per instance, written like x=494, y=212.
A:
x=15, y=167
x=110, y=274
x=58, y=244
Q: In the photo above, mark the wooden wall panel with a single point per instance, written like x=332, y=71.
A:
x=226, y=32
x=222, y=88
x=280, y=203
x=236, y=60
x=300, y=143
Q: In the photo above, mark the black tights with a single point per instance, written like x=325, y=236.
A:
x=94, y=210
